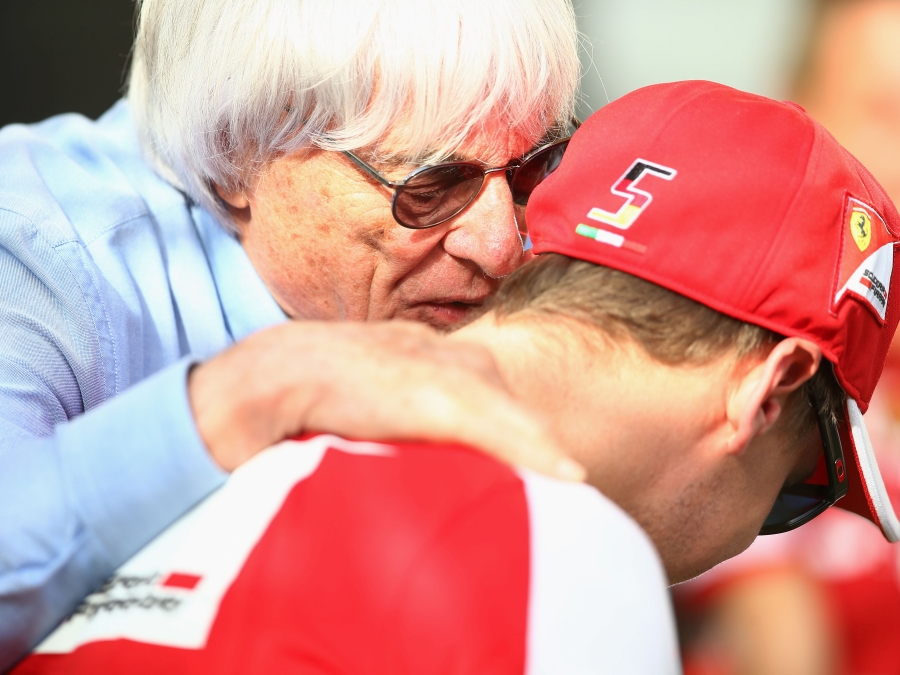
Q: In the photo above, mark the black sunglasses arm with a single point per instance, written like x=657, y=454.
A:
x=370, y=170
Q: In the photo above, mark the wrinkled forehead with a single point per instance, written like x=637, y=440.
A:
x=493, y=142
x=463, y=79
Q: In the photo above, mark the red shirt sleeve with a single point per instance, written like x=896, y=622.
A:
x=416, y=562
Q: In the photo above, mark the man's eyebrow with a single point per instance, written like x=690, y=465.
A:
x=389, y=162
x=459, y=158
x=551, y=135
x=417, y=162
x=542, y=142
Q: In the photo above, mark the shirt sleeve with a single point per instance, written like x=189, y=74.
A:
x=574, y=587
x=80, y=492
x=80, y=502
x=463, y=605
x=599, y=601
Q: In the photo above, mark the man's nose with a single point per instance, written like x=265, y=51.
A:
x=486, y=231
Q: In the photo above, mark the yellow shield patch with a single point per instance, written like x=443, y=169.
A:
x=861, y=228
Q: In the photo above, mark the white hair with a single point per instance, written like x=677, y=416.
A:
x=221, y=87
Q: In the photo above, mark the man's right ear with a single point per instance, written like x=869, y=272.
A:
x=757, y=400
x=236, y=200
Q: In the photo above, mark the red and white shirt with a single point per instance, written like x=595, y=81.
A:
x=328, y=556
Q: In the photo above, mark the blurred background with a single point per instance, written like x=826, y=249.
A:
x=755, y=45
x=61, y=56
x=823, y=600
x=69, y=55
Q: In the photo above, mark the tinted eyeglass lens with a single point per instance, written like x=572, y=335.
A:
x=796, y=502
x=436, y=194
x=534, y=170
x=800, y=503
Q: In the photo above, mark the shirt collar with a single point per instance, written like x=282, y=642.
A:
x=247, y=304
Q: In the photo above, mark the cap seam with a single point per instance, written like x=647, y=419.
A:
x=836, y=271
x=673, y=112
x=808, y=166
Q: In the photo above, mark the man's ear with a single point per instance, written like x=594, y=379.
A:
x=758, y=397
x=237, y=201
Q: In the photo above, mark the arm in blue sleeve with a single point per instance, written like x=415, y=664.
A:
x=92, y=464
x=77, y=504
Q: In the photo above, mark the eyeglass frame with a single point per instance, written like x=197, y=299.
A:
x=510, y=169
x=835, y=466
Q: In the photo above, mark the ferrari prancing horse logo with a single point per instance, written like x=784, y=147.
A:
x=861, y=228
x=867, y=264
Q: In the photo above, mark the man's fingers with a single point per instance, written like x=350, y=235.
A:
x=408, y=339
x=459, y=407
x=517, y=440
x=422, y=386
x=391, y=381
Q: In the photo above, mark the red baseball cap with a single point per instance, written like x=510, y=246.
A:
x=750, y=207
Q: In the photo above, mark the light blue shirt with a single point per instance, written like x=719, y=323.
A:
x=111, y=284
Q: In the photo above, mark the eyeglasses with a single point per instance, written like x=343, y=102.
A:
x=434, y=194
x=797, y=504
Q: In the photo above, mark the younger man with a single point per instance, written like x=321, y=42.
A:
x=707, y=318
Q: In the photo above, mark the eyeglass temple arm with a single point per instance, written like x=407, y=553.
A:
x=368, y=169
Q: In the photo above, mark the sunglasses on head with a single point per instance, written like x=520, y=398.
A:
x=434, y=194
x=797, y=504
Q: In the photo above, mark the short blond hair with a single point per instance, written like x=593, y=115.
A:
x=671, y=328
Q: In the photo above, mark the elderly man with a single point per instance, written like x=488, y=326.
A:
x=698, y=394
x=267, y=165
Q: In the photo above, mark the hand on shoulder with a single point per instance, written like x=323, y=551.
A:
x=378, y=381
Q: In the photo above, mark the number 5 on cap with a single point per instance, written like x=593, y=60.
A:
x=636, y=200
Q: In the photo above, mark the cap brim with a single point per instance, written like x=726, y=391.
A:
x=866, y=493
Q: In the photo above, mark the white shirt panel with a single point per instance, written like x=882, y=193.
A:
x=599, y=601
